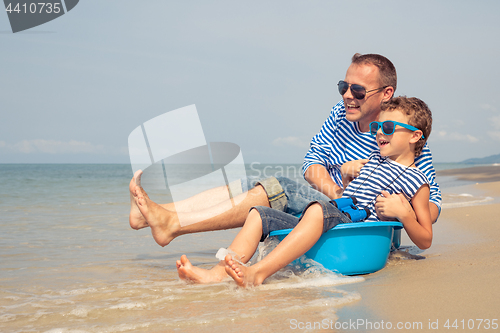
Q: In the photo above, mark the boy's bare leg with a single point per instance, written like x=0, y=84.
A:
x=245, y=244
x=198, y=202
x=165, y=224
x=298, y=242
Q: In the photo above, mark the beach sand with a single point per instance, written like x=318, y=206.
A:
x=456, y=279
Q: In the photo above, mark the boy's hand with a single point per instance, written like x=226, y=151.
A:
x=390, y=206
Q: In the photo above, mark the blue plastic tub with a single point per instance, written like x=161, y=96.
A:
x=353, y=248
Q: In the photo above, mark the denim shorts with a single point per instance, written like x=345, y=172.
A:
x=273, y=219
x=296, y=195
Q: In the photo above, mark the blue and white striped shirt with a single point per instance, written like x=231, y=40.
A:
x=340, y=141
x=383, y=174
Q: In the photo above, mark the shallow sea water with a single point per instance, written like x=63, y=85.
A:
x=69, y=262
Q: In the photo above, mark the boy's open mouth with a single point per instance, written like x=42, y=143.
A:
x=382, y=143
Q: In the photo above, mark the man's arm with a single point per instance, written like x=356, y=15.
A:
x=424, y=163
x=320, y=179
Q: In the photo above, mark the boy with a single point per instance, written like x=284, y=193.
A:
x=403, y=128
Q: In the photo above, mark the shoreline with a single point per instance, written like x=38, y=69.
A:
x=453, y=282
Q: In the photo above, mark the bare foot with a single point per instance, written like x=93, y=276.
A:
x=242, y=275
x=193, y=274
x=136, y=219
x=164, y=224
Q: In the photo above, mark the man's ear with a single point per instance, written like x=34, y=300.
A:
x=416, y=136
x=388, y=93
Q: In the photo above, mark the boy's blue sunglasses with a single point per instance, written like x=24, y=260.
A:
x=389, y=126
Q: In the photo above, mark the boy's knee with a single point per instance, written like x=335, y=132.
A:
x=254, y=213
x=315, y=209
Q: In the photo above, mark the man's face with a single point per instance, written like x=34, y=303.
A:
x=367, y=109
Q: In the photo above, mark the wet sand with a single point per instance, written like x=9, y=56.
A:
x=488, y=173
x=456, y=281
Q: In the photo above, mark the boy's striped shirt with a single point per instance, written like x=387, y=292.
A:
x=383, y=174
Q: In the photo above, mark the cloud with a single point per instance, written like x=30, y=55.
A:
x=293, y=141
x=54, y=147
x=445, y=136
x=495, y=122
x=488, y=107
x=494, y=135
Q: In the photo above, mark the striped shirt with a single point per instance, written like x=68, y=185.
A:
x=383, y=174
x=340, y=141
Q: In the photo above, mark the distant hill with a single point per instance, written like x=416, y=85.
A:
x=485, y=160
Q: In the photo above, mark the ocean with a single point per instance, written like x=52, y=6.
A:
x=71, y=263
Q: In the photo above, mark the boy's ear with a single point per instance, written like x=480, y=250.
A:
x=416, y=136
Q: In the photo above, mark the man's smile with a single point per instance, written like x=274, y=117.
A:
x=352, y=106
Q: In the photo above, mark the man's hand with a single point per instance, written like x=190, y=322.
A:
x=351, y=170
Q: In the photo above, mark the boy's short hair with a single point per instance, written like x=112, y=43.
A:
x=385, y=67
x=419, y=116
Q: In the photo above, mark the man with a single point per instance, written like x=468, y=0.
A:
x=339, y=150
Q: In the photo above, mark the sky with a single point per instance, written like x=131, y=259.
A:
x=262, y=74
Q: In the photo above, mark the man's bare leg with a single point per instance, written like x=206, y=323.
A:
x=245, y=244
x=299, y=241
x=197, y=202
x=165, y=224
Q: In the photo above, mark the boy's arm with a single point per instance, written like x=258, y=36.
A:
x=418, y=226
x=433, y=208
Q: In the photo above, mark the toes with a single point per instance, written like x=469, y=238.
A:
x=184, y=260
x=137, y=177
x=143, y=193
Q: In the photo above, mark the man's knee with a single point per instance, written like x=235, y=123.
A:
x=275, y=193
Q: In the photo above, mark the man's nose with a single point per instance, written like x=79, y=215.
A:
x=348, y=94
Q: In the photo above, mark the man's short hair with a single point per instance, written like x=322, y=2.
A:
x=419, y=116
x=385, y=67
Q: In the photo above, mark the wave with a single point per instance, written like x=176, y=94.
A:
x=464, y=200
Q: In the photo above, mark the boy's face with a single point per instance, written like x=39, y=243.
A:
x=399, y=143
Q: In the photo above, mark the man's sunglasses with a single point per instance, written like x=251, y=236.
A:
x=389, y=126
x=357, y=91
